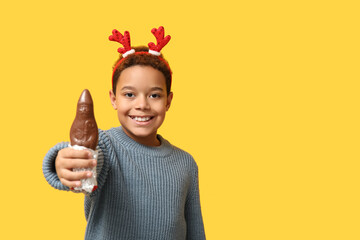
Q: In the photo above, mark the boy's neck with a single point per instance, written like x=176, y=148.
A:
x=151, y=141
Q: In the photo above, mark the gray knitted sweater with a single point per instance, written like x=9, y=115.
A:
x=143, y=192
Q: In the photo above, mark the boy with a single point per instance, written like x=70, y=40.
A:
x=147, y=188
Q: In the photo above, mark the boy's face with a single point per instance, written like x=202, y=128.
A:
x=141, y=102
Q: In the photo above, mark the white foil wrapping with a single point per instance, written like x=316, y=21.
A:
x=88, y=185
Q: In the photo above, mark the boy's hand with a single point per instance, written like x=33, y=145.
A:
x=69, y=158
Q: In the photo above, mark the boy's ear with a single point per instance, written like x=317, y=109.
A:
x=169, y=99
x=112, y=99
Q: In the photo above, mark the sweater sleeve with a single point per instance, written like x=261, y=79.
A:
x=49, y=167
x=193, y=216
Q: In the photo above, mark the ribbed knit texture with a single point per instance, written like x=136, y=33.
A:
x=143, y=192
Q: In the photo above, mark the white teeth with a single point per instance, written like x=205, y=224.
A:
x=141, y=119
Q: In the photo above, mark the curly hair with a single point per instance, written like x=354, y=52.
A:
x=143, y=60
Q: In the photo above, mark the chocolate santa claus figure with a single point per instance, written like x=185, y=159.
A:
x=84, y=130
x=84, y=135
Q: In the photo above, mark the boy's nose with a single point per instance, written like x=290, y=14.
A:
x=142, y=103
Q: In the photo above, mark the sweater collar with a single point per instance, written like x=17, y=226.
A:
x=164, y=149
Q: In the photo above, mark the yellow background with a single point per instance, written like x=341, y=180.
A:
x=266, y=98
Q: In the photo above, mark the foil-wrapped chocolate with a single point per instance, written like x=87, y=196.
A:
x=84, y=130
x=84, y=135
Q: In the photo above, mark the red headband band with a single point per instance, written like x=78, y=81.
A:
x=153, y=49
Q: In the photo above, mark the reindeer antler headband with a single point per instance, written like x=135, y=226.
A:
x=126, y=50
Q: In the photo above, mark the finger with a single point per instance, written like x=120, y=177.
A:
x=70, y=184
x=73, y=153
x=75, y=176
x=80, y=163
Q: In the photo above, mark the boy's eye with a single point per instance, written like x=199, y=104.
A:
x=155, y=95
x=129, y=95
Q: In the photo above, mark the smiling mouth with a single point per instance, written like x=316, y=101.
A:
x=141, y=119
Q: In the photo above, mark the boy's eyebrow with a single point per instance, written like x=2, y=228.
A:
x=132, y=88
x=156, y=88
x=128, y=87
